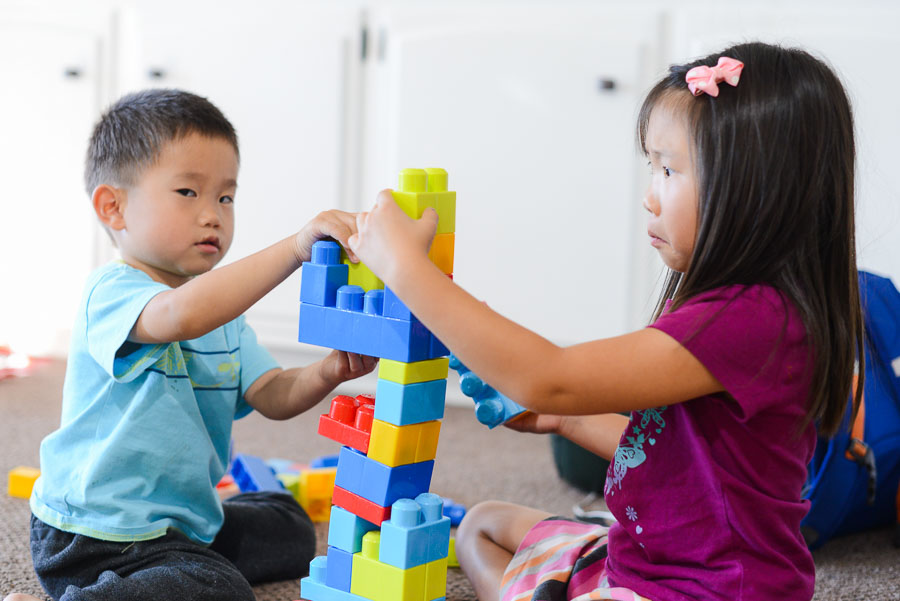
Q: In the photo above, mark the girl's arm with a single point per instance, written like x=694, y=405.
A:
x=282, y=394
x=220, y=295
x=599, y=434
x=643, y=369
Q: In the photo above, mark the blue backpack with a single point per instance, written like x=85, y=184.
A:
x=853, y=482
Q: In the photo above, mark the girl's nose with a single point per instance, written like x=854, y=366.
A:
x=650, y=203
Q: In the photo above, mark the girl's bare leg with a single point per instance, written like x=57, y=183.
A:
x=20, y=597
x=486, y=540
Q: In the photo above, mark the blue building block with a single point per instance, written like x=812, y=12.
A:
x=416, y=534
x=340, y=566
x=345, y=530
x=251, y=474
x=324, y=461
x=379, y=483
x=454, y=511
x=319, y=281
x=491, y=407
x=404, y=404
x=394, y=307
x=314, y=587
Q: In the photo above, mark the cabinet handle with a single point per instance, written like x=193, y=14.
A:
x=72, y=72
x=155, y=73
x=606, y=84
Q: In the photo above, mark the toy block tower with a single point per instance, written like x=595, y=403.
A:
x=388, y=539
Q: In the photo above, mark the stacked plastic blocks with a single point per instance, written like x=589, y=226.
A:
x=388, y=539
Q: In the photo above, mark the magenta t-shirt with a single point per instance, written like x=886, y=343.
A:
x=707, y=492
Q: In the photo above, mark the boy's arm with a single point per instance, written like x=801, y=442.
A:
x=285, y=393
x=218, y=296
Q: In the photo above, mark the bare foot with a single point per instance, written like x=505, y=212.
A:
x=20, y=597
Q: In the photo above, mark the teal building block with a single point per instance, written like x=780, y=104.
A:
x=491, y=408
x=416, y=534
x=314, y=587
x=345, y=530
x=404, y=404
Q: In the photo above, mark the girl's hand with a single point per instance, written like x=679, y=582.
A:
x=340, y=366
x=386, y=235
x=536, y=423
x=334, y=224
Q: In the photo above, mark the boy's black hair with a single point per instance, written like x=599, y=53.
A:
x=131, y=133
x=775, y=160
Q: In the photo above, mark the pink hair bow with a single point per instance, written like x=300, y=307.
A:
x=706, y=79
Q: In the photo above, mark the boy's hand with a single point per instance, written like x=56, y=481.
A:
x=386, y=234
x=340, y=366
x=334, y=224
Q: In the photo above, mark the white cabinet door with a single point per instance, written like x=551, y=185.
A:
x=531, y=110
x=284, y=74
x=48, y=103
x=858, y=42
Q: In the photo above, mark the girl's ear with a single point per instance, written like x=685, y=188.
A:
x=109, y=205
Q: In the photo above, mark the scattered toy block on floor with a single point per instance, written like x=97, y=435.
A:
x=252, y=474
x=21, y=481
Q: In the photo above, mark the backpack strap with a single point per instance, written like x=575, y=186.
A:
x=859, y=451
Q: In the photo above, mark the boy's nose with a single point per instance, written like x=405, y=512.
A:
x=210, y=216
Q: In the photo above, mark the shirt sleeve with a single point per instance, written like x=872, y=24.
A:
x=749, y=338
x=255, y=361
x=113, y=307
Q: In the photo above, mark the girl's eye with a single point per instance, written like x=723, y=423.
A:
x=226, y=200
x=186, y=192
x=666, y=171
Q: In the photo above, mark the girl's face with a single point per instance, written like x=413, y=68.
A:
x=672, y=197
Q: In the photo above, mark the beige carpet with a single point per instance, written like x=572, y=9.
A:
x=473, y=464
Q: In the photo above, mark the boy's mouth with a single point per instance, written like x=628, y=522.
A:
x=209, y=244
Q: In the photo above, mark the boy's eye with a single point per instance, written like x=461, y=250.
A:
x=186, y=192
x=225, y=200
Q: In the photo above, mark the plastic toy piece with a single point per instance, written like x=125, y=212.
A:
x=346, y=530
x=413, y=372
x=328, y=460
x=381, y=582
x=360, y=275
x=340, y=565
x=379, y=483
x=404, y=404
x=454, y=511
x=416, y=534
x=21, y=481
x=451, y=554
x=401, y=445
x=314, y=491
x=491, y=408
x=420, y=189
x=323, y=274
x=252, y=474
x=355, y=504
x=314, y=587
x=441, y=252
x=349, y=421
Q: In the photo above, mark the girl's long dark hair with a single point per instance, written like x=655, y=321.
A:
x=775, y=165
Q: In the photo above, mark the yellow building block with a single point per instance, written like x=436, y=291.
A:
x=360, y=275
x=315, y=488
x=436, y=579
x=412, y=373
x=441, y=252
x=292, y=483
x=400, y=445
x=451, y=555
x=21, y=481
x=378, y=581
x=423, y=188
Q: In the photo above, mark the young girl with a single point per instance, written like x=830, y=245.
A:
x=754, y=340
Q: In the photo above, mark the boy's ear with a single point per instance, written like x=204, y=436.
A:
x=109, y=205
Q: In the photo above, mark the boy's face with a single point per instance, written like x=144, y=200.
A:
x=179, y=216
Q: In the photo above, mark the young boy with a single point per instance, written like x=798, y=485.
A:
x=160, y=365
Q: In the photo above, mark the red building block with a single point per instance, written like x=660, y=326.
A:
x=349, y=421
x=367, y=510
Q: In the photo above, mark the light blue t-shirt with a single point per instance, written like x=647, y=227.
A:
x=145, y=428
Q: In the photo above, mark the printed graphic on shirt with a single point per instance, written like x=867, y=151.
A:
x=633, y=450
